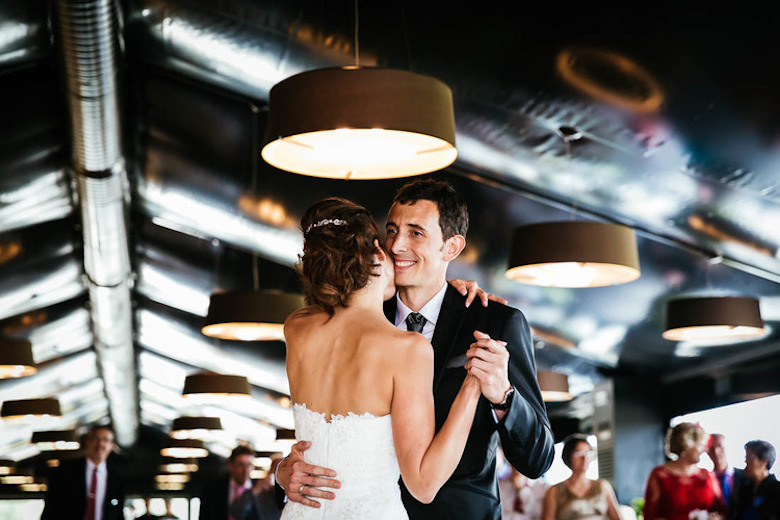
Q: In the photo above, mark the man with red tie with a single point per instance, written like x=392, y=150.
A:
x=87, y=488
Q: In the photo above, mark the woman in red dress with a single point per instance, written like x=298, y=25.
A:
x=679, y=489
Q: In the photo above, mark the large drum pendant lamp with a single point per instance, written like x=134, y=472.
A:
x=573, y=254
x=713, y=318
x=16, y=358
x=360, y=123
x=250, y=315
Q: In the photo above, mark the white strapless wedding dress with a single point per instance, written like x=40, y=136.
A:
x=359, y=448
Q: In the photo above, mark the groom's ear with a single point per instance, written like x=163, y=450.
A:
x=453, y=247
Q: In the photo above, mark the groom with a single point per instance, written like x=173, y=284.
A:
x=426, y=230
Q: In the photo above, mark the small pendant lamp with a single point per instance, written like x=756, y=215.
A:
x=194, y=427
x=360, y=123
x=16, y=358
x=573, y=254
x=554, y=386
x=32, y=409
x=56, y=440
x=7, y=466
x=250, y=315
x=209, y=387
x=185, y=449
x=178, y=466
x=713, y=318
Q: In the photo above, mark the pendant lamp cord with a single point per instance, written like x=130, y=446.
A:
x=567, y=144
x=357, y=40
x=406, y=36
x=255, y=160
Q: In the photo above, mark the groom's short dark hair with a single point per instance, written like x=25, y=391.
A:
x=453, y=213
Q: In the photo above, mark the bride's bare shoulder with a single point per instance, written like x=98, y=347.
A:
x=409, y=344
x=303, y=319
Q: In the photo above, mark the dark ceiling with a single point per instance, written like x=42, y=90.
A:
x=680, y=139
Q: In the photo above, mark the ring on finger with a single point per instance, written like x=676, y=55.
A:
x=300, y=491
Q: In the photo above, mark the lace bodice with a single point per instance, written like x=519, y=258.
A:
x=359, y=448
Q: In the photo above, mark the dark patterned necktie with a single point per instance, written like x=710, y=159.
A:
x=415, y=322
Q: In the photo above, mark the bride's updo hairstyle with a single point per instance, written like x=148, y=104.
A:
x=338, y=252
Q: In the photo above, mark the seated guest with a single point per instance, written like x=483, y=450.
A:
x=760, y=500
x=680, y=489
x=579, y=497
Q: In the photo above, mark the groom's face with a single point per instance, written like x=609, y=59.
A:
x=416, y=245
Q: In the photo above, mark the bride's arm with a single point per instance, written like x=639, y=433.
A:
x=425, y=461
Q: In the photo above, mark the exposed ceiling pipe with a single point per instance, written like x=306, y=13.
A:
x=90, y=43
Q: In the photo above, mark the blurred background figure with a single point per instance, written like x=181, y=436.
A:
x=729, y=477
x=259, y=502
x=87, y=487
x=679, y=489
x=521, y=497
x=761, y=499
x=219, y=494
x=579, y=497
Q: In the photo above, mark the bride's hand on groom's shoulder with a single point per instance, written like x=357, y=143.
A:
x=471, y=290
x=301, y=481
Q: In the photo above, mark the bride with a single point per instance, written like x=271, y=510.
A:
x=361, y=388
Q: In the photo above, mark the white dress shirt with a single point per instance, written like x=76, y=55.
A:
x=430, y=311
x=100, y=493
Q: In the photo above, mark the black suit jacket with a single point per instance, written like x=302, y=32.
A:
x=214, y=499
x=214, y=502
x=66, y=497
x=526, y=438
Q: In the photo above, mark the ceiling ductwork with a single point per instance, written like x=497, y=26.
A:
x=90, y=45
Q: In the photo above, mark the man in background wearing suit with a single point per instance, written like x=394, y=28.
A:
x=87, y=488
x=426, y=229
x=236, y=488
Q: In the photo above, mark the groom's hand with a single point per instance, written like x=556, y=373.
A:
x=301, y=480
x=489, y=362
x=471, y=290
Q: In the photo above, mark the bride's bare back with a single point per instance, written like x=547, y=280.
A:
x=345, y=363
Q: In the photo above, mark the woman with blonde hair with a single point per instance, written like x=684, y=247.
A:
x=579, y=497
x=679, y=489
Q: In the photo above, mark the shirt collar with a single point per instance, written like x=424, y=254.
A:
x=100, y=467
x=430, y=310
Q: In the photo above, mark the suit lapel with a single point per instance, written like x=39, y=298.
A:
x=447, y=328
x=446, y=332
x=81, y=482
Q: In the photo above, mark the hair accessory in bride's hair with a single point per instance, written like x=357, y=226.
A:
x=325, y=222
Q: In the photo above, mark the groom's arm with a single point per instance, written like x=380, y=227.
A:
x=526, y=436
